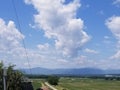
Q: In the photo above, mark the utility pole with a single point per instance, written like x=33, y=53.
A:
x=4, y=78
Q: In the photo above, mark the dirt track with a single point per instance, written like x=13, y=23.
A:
x=45, y=88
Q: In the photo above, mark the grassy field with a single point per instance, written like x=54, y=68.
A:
x=37, y=83
x=82, y=84
x=87, y=84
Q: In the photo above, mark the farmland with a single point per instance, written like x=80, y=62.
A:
x=88, y=84
x=84, y=84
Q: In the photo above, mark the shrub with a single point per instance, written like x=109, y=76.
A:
x=53, y=80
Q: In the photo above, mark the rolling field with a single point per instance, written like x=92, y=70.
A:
x=82, y=84
x=87, y=84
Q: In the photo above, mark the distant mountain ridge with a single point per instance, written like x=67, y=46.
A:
x=74, y=71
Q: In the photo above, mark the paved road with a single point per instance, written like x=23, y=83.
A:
x=47, y=84
x=44, y=87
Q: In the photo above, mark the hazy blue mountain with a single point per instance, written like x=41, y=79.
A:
x=81, y=71
x=112, y=71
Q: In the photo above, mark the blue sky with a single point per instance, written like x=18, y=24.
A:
x=61, y=33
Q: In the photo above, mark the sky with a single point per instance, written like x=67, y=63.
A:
x=60, y=33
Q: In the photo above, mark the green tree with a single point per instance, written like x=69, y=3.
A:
x=53, y=80
x=1, y=66
x=13, y=78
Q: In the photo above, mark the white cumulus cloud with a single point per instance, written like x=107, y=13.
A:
x=116, y=56
x=87, y=50
x=10, y=37
x=43, y=46
x=59, y=22
x=113, y=23
x=10, y=42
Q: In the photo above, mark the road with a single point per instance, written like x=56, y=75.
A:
x=44, y=87
x=47, y=84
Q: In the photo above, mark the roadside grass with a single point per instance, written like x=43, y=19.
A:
x=37, y=83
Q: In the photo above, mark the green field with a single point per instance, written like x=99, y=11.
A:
x=87, y=84
x=82, y=84
x=37, y=83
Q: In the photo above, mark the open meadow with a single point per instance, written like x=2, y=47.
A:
x=81, y=84
x=87, y=84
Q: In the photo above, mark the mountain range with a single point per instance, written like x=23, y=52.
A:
x=73, y=71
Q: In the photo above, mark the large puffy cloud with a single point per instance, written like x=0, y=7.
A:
x=10, y=37
x=10, y=42
x=113, y=23
x=59, y=22
x=11, y=48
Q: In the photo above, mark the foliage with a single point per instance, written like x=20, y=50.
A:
x=13, y=78
x=53, y=80
x=37, y=76
x=1, y=66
